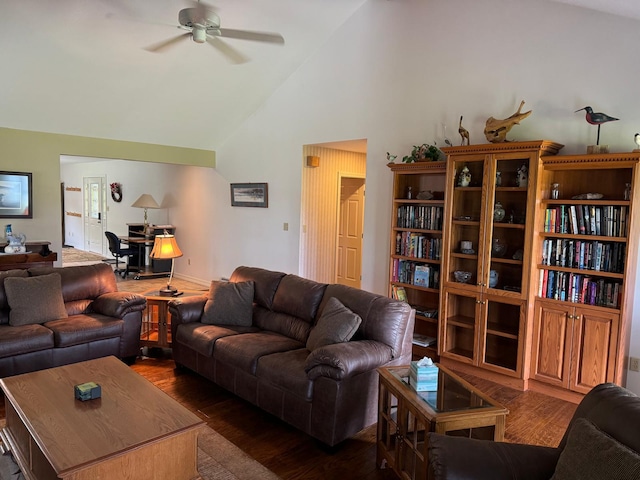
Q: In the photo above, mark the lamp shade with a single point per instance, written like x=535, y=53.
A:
x=145, y=201
x=165, y=247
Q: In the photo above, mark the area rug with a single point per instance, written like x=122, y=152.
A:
x=218, y=459
x=74, y=256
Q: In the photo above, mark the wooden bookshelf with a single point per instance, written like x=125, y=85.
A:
x=585, y=271
x=416, y=243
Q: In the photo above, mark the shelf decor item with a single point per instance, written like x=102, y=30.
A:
x=498, y=248
x=462, y=276
x=465, y=177
x=498, y=212
x=423, y=153
x=496, y=130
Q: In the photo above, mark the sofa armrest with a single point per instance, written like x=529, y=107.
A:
x=187, y=310
x=466, y=458
x=118, y=304
x=342, y=360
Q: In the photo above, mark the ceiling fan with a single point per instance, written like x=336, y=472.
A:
x=202, y=25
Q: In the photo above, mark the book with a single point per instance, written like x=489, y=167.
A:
x=423, y=340
x=422, y=276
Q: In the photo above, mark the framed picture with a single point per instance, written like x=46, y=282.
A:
x=249, y=195
x=15, y=195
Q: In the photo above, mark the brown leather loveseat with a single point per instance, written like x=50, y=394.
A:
x=52, y=316
x=278, y=358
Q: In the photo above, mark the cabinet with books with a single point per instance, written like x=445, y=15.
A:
x=585, y=254
x=490, y=203
x=416, y=246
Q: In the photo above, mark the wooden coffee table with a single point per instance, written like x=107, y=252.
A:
x=405, y=416
x=134, y=431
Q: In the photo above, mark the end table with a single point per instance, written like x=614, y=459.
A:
x=156, y=320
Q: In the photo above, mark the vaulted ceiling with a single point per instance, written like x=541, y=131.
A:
x=79, y=66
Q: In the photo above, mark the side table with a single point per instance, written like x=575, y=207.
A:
x=156, y=320
x=405, y=416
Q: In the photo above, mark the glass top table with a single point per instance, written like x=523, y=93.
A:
x=451, y=394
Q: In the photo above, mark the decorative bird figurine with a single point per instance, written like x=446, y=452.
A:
x=636, y=138
x=464, y=133
x=391, y=158
x=596, y=118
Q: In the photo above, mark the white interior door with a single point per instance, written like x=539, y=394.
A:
x=94, y=217
x=350, y=228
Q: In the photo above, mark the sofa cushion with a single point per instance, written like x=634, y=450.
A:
x=243, y=351
x=298, y=297
x=34, y=299
x=202, y=338
x=4, y=306
x=266, y=283
x=336, y=324
x=79, y=329
x=383, y=319
x=24, y=339
x=83, y=281
x=286, y=371
x=591, y=454
x=281, y=323
x=229, y=303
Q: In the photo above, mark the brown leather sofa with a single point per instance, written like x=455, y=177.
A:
x=331, y=393
x=601, y=442
x=100, y=321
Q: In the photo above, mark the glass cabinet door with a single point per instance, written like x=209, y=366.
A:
x=460, y=323
x=507, y=217
x=466, y=221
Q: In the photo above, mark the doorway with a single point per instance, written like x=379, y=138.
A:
x=320, y=212
x=94, y=214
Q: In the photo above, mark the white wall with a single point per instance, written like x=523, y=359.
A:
x=392, y=74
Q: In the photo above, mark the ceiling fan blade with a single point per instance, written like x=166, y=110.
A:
x=163, y=45
x=231, y=53
x=252, y=36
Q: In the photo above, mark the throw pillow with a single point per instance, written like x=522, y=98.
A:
x=336, y=324
x=229, y=303
x=34, y=299
x=591, y=454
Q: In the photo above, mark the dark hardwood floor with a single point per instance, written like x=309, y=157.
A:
x=534, y=418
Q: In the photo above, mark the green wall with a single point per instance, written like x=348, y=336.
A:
x=39, y=153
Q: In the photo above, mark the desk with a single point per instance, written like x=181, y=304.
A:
x=148, y=267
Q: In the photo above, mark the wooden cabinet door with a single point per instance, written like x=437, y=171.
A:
x=552, y=336
x=594, y=348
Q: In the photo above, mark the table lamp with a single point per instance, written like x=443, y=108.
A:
x=145, y=201
x=165, y=247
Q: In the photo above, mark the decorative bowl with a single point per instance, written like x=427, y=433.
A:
x=461, y=276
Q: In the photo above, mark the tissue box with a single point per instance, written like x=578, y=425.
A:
x=423, y=378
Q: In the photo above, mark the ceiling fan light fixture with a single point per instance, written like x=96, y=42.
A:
x=199, y=34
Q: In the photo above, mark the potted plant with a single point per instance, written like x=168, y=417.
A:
x=423, y=153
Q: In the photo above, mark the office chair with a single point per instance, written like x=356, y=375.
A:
x=118, y=252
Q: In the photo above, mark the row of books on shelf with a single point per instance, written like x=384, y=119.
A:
x=425, y=217
x=410, y=244
x=405, y=271
x=606, y=220
x=579, y=288
x=584, y=255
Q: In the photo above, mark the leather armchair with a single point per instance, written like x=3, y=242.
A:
x=611, y=408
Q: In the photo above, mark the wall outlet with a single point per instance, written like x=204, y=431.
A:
x=634, y=364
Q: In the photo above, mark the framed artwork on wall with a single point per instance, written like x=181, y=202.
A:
x=16, y=195
x=249, y=195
